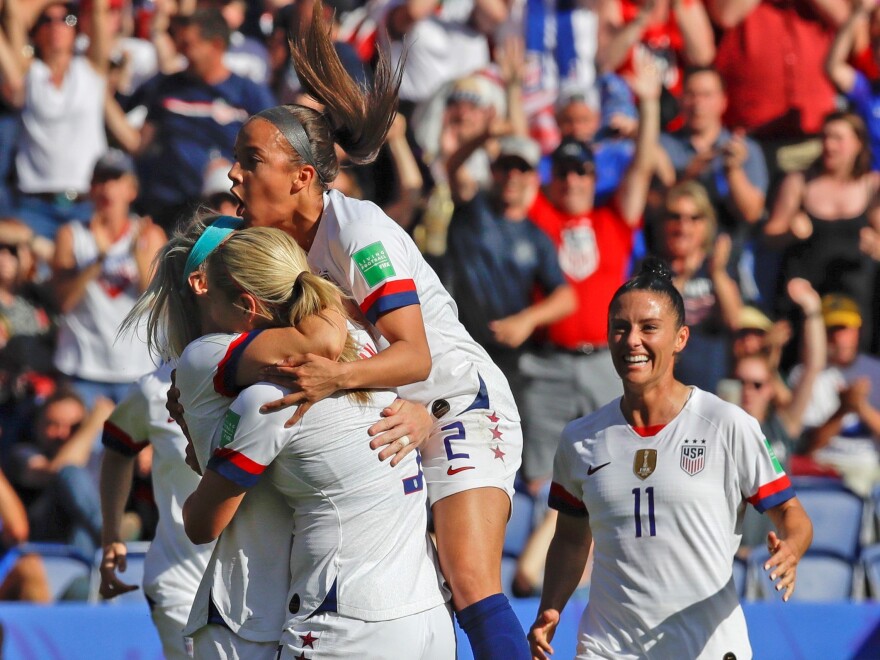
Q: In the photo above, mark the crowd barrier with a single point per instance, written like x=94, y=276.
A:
x=799, y=631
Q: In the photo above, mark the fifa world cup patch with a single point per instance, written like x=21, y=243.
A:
x=644, y=463
x=693, y=456
x=230, y=423
x=374, y=263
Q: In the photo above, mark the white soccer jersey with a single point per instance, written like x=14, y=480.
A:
x=665, y=512
x=250, y=602
x=173, y=566
x=373, y=260
x=360, y=543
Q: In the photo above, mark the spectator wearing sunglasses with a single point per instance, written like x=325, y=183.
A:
x=61, y=97
x=570, y=374
x=700, y=260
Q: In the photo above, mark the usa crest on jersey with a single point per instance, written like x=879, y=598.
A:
x=693, y=456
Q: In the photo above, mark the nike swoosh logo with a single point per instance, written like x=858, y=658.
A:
x=591, y=469
x=451, y=472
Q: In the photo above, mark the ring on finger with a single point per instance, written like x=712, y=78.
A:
x=404, y=441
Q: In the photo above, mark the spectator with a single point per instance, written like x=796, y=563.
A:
x=61, y=96
x=192, y=117
x=570, y=372
x=828, y=215
x=22, y=577
x=728, y=165
x=843, y=415
x=245, y=56
x=99, y=270
x=771, y=57
x=757, y=335
x=861, y=92
x=27, y=331
x=48, y=469
x=497, y=257
x=700, y=258
x=673, y=33
x=215, y=189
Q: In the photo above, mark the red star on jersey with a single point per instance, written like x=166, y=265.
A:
x=493, y=417
x=309, y=639
x=498, y=452
x=496, y=434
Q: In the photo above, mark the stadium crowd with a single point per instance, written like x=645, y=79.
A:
x=542, y=150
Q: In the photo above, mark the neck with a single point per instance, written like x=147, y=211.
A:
x=304, y=224
x=704, y=139
x=212, y=74
x=654, y=404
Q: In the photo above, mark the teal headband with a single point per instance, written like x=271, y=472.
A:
x=208, y=242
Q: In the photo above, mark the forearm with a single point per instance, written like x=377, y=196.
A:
x=11, y=73
x=748, y=199
x=99, y=41
x=116, y=478
x=566, y=560
x=870, y=417
x=618, y=43
x=402, y=363
x=632, y=194
x=461, y=184
x=730, y=13
x=836, y=66
x=555, y=307
x=410, y=182
x=70, y=286
x=793, y=526
x=78, y=449
x=729, y=299
x=693, y=22
x=820, y=436
x=833, y=12
x=128, y=137
x=12, y=513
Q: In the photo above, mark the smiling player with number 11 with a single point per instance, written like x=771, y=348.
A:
x=659, y=479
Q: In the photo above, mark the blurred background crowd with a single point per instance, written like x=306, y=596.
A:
x=543, y=148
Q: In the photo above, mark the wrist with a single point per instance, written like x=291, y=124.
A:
x=345, y=379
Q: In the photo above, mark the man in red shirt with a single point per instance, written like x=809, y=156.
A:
x=571, y=374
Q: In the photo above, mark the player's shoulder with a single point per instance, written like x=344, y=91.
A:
x=156, y=383
x=358, y=220
x=586, y=429
x=717, y=412
x=206, y=345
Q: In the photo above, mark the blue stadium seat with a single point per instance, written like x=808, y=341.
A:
x=67, y=569
x=519, y=527
x=740, y=576
x=870, y=561
x=822, y=577
x=837, y=516
x=134, y=574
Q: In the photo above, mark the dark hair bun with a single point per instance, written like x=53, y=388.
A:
x=656, y=268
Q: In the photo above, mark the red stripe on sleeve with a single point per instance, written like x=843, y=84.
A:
x=559, y=493
x=239, y=460
x=122, y=437
x=395, y=286
x=772, y=488
x=220, y=376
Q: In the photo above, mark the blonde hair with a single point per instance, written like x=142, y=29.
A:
x=270, y=266
x=168, y=302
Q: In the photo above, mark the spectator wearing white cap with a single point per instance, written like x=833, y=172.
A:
x=497, y=257
x=99, y=270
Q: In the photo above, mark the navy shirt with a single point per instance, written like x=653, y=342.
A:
x=495, y=266
x=194, y=122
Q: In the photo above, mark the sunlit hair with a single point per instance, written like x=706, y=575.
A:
x=862, y=164
x=700, y=197
x=354, y=117
x=169, y=304
x=270, y=266
x=655, y=276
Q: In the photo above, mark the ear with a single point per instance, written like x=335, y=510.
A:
x=681, y=338
x=198, y=282
x=249, y=307
x=302, y=178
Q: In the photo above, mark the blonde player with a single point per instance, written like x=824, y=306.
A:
x=658, y=481
x=285, y=163
x=363, y=574
x=173, y=566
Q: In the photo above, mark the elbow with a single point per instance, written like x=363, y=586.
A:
x=423, y=368
x=198, y=533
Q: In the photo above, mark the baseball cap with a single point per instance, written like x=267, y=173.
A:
x=752, y=318
x=573, y=151
x=112, y=165
x=474, y=89
x=840, y=310
x=515, y=146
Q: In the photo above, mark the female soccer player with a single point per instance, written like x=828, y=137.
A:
x=657, y=479
x=364, y=581
x=285, y=162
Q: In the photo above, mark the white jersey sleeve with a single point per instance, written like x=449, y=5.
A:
x=127, y=430
x=762, y=480
x=566, y=489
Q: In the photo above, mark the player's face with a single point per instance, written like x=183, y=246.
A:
x=262, y=176
x=644, y=337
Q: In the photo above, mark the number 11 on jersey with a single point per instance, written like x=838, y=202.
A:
x=637, y=510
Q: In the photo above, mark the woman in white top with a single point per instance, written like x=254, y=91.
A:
x=657, y=480
x=285, y=164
